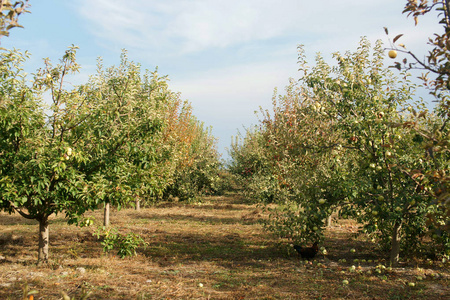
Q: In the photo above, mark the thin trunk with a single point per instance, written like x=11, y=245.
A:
x=106, y=215
x=329, y=219
x=43, y=240
x=137, y=205
x=446, y=8
x=395, y=251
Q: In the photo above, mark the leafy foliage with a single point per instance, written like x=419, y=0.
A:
x=334, y=142
x=433, y=174
x=108, y=140
x=195, y=160
x=125, y=245
x=9, y=15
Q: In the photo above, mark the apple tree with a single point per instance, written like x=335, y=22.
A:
x=197, y=173
x=251, y=165
x=299, y=145
x=337, y=143
x=134, y=106
x=80, y=150
x=365, y=101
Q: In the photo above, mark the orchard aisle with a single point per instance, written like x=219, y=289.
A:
x=214, y=249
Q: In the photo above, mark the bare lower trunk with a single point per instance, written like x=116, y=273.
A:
x=395, y=250
x=137, y=205
x=329, y=219
x=106, y=215
x=43, y=240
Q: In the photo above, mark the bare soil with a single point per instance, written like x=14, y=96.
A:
x=215, y=249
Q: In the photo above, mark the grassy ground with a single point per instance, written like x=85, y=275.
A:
x=212, y=250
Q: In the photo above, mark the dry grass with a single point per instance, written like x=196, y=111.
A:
x=213, y=250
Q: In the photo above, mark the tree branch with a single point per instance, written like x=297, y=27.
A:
x=26, y=216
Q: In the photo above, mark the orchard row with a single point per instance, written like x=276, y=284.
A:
x=121, y=137
x=351, y=139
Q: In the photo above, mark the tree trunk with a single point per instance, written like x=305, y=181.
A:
x=106, y=215
x=446, y=8
x=43, y=240
x=137, y=205
x=329, y=219
x=395, y=250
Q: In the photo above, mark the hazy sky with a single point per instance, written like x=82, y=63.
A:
x=224, y=56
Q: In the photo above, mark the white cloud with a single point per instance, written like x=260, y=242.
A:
x=245, y=86
x=183, y=26
x=226, y=57
x=226, y=23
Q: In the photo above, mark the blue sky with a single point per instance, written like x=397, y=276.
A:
x=224, y=56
